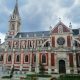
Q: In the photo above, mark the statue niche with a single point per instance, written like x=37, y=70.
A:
x=15, y=44
x=23, y=44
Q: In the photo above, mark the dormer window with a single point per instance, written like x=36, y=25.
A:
x=27, y=35
x=42, y=34
x=20, y=36
x=34, y=35
x=60, y=29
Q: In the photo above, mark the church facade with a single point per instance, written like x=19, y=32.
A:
x=57, y=49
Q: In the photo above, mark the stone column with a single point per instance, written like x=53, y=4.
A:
x=56, y=63
x=13, y=55
x=21, y=65
x=35, y=43
x=5, y=57
x=4, y=63
x=37, y=62
x=49, y=63
x=30, y=61
x=19, y=44
x=67, y=65
x=74, y=61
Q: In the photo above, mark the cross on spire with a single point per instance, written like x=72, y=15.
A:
x=59, y=19
x=16, y=1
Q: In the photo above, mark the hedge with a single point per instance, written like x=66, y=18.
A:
x=5, y=77
x=69, y=77
x=38, y=75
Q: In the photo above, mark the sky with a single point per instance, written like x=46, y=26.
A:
x=37, y=15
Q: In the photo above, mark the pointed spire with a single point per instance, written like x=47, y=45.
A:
x=16, y=1
x=16, y=11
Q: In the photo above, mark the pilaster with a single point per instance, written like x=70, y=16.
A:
x=67, y=65
x=30, y=62
x=56, y=64
x=49, y=63
x=37, y=62
x=75, y=65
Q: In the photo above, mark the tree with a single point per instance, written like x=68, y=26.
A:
x=12, y=71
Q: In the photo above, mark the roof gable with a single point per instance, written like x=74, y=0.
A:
x=60, y=24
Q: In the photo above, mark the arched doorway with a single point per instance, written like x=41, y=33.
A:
x=62, y=67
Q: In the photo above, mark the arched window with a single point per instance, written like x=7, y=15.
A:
x=26, y=58
x=47, y=44
x=1, y=57
x=43, y=58
x=9, y=44
x=18, y=58
x=13, y=27
x=30, y=44
x=9, y=58
x=34, y=58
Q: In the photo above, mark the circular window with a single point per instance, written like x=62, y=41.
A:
x=60, y=40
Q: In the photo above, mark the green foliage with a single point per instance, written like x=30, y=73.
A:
x=12, y=71
x=45, y=75
x=38, y=75
x=69, y=77
x=5, y=77
x=11, y=74
x=35, y=76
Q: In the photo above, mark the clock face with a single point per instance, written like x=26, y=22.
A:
x=60, y=40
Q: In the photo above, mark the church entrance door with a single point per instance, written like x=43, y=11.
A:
x=62, y=68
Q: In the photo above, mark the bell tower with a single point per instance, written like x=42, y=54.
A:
x=15, y=21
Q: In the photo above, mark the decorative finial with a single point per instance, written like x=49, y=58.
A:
x=59, y=19
x=70, y=25
x=50, y=28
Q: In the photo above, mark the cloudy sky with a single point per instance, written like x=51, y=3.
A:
x=37, y=15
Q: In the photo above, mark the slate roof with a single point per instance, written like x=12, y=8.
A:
x=39, y=34
x=75, y=31
x=33, y=34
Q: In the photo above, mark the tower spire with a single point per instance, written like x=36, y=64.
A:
x=15, y=21
x=16, y=11
x=16, y=1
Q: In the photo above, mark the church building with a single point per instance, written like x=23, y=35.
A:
x=58, y=49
